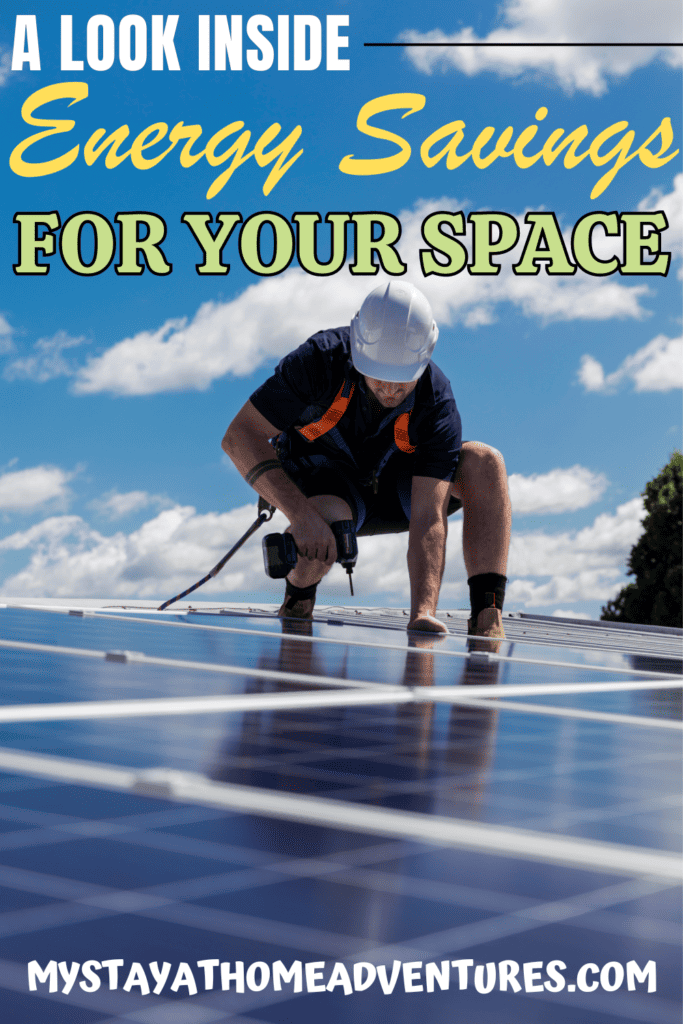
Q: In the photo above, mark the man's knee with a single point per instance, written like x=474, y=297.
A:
x=331, y=507
x=480, y=467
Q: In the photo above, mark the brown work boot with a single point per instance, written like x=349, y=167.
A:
x=488, y=631
x=298, y=603
x=489, y=623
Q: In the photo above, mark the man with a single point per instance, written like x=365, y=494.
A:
x=367, y=430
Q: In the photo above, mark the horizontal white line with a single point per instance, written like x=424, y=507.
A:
x=384, y=694
x=647, y=721
x=187, y=787
x=199, y=666
x=200, y=705
x=454, y=694
x=67, y=769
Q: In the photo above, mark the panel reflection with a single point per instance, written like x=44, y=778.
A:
x=407, y=756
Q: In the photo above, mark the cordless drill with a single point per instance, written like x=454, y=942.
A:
x=280, y=554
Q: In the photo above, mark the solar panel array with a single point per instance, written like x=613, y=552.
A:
x=209, y=785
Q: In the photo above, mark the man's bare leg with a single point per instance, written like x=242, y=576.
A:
x=308, y=572
x=481, y=485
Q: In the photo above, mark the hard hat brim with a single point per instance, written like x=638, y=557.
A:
x=388, y=371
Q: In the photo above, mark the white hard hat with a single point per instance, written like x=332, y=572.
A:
x=393, y=334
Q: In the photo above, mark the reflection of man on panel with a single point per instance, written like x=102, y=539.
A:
x=367, y=430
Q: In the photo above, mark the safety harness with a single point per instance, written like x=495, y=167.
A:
x=327, y=424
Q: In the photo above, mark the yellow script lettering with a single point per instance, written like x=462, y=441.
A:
x=76, y=91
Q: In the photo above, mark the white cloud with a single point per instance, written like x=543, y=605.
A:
x=270, y=318
x=68, y=558
x=560, y=490
x=5, y=65
x=6, y=332
x=265, y=321
x=583, y=68
x=585, y=564
x=115, y=506
x=591, y=374
x=559, y=613
x=658, y=366
x=47, y=362
x=587, y=585
x=28, y=489
x=165, y=555
x=593, y=547
x=173, y=550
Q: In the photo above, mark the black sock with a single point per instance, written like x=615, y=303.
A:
x=486, y=591
x=294, y=594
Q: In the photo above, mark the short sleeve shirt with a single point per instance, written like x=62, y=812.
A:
x=306, y=383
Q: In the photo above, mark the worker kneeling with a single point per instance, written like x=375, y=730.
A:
x=366, y=429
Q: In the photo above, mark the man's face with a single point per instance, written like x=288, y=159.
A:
x=388, y=393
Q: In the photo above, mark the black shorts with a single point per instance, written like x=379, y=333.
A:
x=388, y=511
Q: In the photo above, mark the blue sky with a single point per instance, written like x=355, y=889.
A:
x=116, y=390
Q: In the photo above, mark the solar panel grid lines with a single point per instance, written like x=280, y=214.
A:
x=511, y=842
x=152, y=869
x=359, y=643
x=592, y=757
x=35, y=882
x=606, y=897
x=127, y=656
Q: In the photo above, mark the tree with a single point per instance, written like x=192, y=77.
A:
x=655, y=559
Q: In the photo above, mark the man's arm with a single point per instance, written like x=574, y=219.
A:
x=246, y=442
x=427, y=550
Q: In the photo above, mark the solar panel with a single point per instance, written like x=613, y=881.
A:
x=205, y=787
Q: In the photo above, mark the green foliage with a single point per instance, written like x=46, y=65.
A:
x=655, y=560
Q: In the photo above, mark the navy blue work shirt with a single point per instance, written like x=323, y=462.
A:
x=307, y=381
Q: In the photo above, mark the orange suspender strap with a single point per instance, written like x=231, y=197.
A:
x=330, y=419
x=401, y=434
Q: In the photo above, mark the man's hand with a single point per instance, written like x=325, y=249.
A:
x=427, y=624
x=313, y=537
